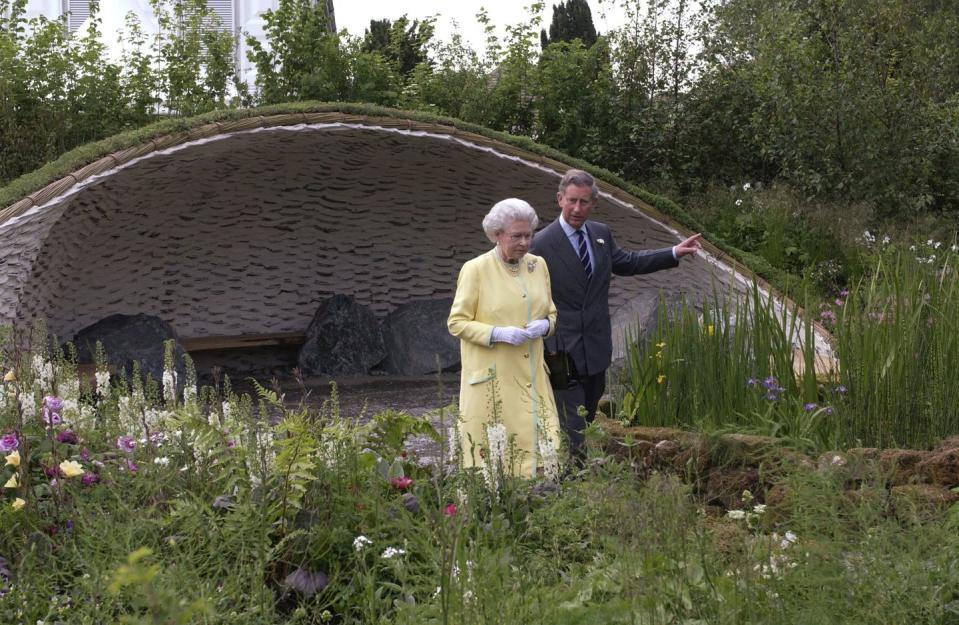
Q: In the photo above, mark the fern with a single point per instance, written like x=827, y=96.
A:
x=295, y=466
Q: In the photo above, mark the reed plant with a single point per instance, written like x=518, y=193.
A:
x=734, y=366
x=730, y=366
x=898, y=346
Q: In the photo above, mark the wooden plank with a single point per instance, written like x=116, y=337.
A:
x=208, y=343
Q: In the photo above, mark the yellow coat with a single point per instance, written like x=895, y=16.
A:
x=488, y=296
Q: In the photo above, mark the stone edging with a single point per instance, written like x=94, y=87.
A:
x=721, y=467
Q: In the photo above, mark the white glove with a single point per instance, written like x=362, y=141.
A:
x=537, y=328
x=510, y=334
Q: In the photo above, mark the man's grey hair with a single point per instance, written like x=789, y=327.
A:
x=506, y=212
x=579, y=178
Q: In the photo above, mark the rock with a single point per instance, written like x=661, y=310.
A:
x=726, y=486
x=417, y=340
x=924, y=497
x=127, y=339
x=901, y=465
x=940, y=468
x=342, y=338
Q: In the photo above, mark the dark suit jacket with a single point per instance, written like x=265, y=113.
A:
x=583, y=326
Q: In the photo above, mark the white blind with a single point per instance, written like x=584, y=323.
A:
x=79, y=12
x=223, y=10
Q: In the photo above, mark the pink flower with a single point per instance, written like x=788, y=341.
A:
x=131, y=466
x=126, y=444
x=402, y=483
x=450, y=509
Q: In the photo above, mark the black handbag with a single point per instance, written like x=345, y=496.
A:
x=562, y=370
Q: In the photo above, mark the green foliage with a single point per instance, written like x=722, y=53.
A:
x=197, y=535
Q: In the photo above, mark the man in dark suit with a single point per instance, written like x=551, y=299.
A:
x=582, y=256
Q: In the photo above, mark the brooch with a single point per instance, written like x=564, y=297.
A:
x=601, y=242
x=531, y=265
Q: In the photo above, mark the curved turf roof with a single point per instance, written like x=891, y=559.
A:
x=240, y=222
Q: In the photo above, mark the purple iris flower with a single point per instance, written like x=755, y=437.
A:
x=810, y=407
x=842, y=390
x=828, y=410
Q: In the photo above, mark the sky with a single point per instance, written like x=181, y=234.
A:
x=355, y=15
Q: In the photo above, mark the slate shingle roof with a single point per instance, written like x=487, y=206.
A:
x=246, y=232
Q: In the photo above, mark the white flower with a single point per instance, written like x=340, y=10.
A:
x=103, y=381
x=736, y=514
x=747, y=187
x=453, y=447
x=759, y=508
x=496, y=457
x=362, y=541
x=937, y=244
x=169, y=385
x=549, y=458
x=391, y=552
x=161, y=460
x=42, y=371
x=886, y=240
x=739, y=202
x=787, y=540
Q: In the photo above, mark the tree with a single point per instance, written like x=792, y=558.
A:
x=572, y=19
x=402, y=42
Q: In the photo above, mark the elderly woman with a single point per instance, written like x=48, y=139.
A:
x=501, y=312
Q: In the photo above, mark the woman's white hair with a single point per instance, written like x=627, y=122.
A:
x=506, y=212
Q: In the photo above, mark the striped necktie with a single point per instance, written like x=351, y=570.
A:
x=584, y=254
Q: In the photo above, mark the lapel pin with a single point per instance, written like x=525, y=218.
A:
x=531, y=265
x=601, y=242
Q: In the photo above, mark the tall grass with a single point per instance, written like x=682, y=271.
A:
x=897, y=340
x=732, y=366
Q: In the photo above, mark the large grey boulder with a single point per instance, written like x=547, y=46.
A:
x=343, y=338
x=417, y=339
x=130, y=338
